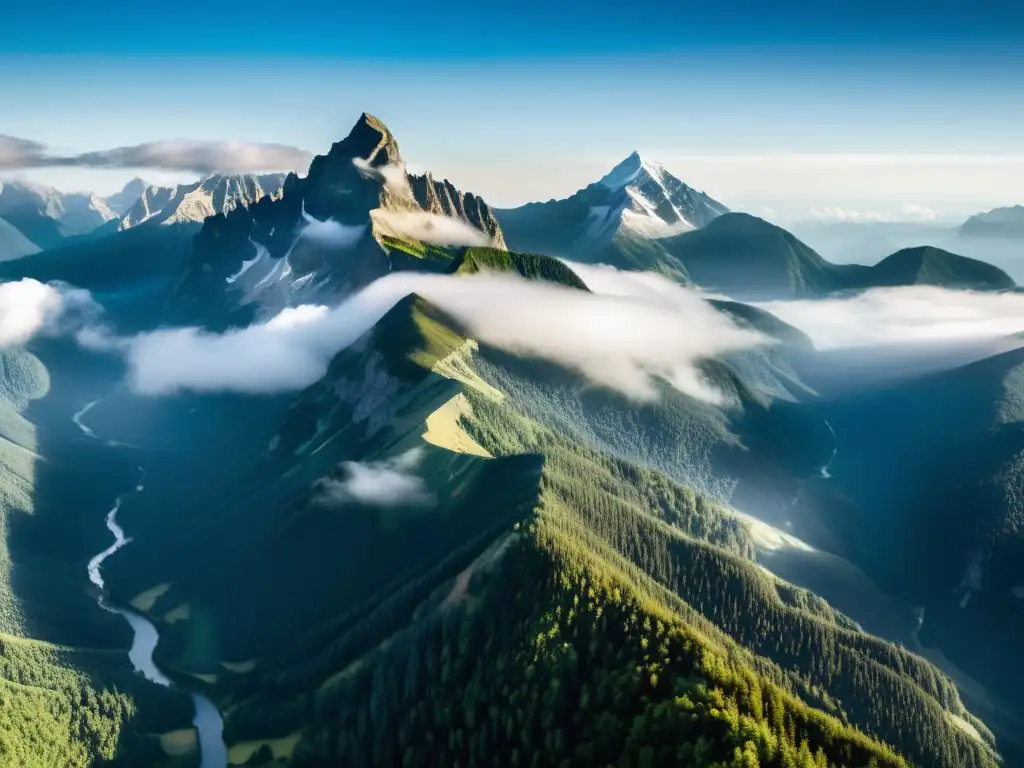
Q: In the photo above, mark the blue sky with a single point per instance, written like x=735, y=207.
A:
x=765, y=105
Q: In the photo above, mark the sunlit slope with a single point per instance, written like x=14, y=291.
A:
x=306, y=560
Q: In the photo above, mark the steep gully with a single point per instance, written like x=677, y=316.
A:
x=208, y=721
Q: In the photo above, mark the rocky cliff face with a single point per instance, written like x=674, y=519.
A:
x=441, y=197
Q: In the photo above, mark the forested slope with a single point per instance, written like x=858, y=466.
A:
x=557, y=603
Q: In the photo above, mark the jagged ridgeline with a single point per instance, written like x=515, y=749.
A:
x=539, y=599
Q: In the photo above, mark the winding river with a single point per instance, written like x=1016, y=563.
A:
x=208, y=721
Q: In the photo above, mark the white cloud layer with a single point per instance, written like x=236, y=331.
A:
x=903, y=315
x=618, y=337
x=29, y=308
x=428, y=227
x=388, y=483
x=184, y=155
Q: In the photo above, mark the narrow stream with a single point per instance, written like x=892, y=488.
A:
x=208, y=721
x=825, y=469
x=77, y=418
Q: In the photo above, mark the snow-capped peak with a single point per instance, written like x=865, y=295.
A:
x=631, y=170
x=645, y=199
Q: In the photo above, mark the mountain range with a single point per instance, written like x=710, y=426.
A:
x=44, y=216
x=34, y=218
x=194, y=203
x=470, y=537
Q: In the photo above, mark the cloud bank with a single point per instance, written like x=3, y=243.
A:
x=388, y=483
x=912, y=314
x=619, y=339
x=202, y=157
x=428, y=227
x=18, y=153
x=29, y=308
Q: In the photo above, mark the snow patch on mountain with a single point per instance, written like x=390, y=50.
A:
x=261, y=253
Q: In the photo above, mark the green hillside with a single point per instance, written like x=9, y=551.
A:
x=927, y=265
x=747, y=257
x=530, y=265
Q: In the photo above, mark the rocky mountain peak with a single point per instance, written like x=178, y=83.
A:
x=632, y=171
x=643, y=198
x=326, y=233
x=339, y=178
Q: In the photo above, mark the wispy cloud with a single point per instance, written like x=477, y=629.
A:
x=911, y=212
x=392, y=175
x=618, y=338
x=428, y=227
x=903, y=315
x=177, y=155
x=388, y=483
